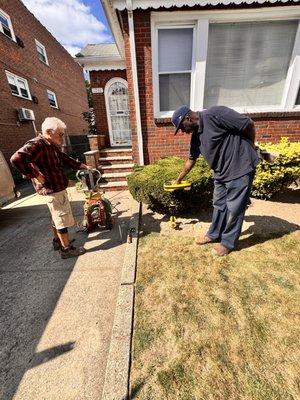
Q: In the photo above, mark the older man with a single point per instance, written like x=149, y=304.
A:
x=226, y=140
x=42, y=161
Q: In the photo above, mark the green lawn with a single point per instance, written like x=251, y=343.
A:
x=217, y=329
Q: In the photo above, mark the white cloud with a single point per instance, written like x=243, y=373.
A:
x=70, y=22
x=72, y=49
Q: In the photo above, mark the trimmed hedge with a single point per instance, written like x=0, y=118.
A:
x=274, y=178
x=146, y=183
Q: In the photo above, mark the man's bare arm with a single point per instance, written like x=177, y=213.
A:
x=186, y=169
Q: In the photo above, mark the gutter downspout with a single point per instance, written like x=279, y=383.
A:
x=135, y=81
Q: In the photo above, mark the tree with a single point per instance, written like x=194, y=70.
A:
x=89, y=116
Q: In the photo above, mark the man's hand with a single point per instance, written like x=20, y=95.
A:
x=186, y=169
x=40, y=179
x=84, y=166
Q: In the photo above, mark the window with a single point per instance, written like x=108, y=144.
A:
x=174, y=67
x=52, y=99
x=247, y=63
x=242, y=59
x=6, y=26
x=19, y=86
x=41, y=50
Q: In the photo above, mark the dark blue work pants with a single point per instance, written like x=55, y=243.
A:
x=230, y=201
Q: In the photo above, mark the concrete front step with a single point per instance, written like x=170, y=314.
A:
x=115, y=168
x=108, y=175
x=115, y=152
x=114, y=177
x=120, y=185
x=115, y=164
x=115, y=160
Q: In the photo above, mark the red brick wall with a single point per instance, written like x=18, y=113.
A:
x=99, y=79
x=271, y=128
x=63, y=76
x=158, y=138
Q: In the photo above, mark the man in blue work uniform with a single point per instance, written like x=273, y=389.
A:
x=225, y=138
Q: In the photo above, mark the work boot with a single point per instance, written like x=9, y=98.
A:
x=71, y=251
x=203, y=240
x=57, y=245
x=219, y=250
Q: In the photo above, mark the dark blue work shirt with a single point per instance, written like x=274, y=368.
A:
x=220, y=139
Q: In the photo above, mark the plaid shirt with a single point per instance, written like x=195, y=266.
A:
x=38, y=156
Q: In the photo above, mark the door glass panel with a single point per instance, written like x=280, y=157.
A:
x=119, y=114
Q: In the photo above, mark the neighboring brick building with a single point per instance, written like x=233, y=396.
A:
x=202, y=53
x=38, y=74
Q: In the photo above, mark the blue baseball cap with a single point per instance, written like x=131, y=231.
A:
x=178, y=116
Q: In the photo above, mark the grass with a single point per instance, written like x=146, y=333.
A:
x=216, y=329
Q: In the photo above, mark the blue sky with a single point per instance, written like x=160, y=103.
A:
x=74, y=23
x=97, y=10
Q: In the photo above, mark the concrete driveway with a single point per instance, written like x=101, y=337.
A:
x=56, y=315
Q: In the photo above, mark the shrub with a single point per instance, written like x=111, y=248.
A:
x=273, y=178
x=146, y=183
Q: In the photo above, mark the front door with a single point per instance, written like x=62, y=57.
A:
x=117, y=107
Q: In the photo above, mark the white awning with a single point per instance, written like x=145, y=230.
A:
x=145, y=4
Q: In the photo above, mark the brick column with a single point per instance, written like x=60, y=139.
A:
x=97, y=142
x=94, y=141
x=92, y=158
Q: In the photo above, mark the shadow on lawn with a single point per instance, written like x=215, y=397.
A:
x=135, y=390
x=264, y=228
x=151, y=221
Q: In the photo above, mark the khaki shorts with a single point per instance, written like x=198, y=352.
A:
x=60, y=209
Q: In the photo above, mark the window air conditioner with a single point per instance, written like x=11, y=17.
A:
x=26, y=115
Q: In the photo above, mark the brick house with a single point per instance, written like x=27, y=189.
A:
x=245, y=55
x=37, y=74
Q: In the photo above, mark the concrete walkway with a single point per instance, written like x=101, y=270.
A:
x=56, y=315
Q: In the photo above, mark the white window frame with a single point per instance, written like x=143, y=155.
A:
x=16, y=77
x=55, y=98
x=37, y=43
x=200, y=20
x=9, y=25
x=191, y=71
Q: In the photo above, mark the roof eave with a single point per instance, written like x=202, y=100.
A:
x=98, y=58
x=100, y=64
x=155, y=4
x=114, y=24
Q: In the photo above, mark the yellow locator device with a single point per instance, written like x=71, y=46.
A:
x=169, y=186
